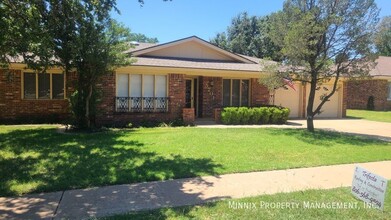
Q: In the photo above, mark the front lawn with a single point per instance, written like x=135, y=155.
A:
x=370, y=115
x=311, y=204
x=38, y=159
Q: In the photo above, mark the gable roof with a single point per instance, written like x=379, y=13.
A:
x=150, y=51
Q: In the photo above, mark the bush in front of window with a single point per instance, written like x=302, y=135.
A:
x=256, y=115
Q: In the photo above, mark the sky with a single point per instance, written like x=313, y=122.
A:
x=176, y=19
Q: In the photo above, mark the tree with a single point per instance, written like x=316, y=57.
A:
x=141, y=38
x=248, y=35
x=91, y=59
x=383, y=37
x=77, y=35
x=221, y=41
x=322, y=41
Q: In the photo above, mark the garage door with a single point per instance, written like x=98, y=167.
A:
x=331, y=108
x=289, y=98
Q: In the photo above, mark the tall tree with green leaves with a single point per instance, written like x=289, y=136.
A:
x=248, y=35
x=383, y=37
x=142, y=38
x=322, y=41
x=77, y=35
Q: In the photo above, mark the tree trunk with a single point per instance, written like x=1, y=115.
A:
x=310, y=106
x=88, y=98
x=310, y=124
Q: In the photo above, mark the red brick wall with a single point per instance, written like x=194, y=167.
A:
x=106, y=108
x=108, y=116
x=176, y=93
x=358, y=92
x=14, y=109
x=188, y=115
x=210, y=95
x=259, y=93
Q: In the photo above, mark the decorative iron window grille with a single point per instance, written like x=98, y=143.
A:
x=141, y=104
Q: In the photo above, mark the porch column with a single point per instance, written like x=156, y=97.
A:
x=210, y=95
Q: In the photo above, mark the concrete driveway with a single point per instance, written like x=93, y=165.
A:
x=376, y=129
x=381, y=130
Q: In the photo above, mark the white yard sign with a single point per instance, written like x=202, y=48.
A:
x=369, y=187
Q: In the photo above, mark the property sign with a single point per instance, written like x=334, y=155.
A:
x=369, y=187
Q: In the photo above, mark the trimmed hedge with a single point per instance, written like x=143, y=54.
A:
x=258, y=115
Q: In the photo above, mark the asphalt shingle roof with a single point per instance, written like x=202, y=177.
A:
x=383, y=67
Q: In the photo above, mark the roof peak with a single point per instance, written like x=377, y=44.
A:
x=212, y=48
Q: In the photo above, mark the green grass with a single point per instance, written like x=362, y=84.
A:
x=38, y=159
x=370, y=115
x=299, y=208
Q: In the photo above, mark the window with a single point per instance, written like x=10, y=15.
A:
x=58, y=91
x=236, y=92
x=43, y=86
x=389, y=91
x=141, y=93
x=29, y=88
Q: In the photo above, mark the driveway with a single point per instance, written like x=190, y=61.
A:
x=381, y=130
x=376, y=129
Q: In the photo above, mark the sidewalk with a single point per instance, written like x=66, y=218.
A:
x=109, y=200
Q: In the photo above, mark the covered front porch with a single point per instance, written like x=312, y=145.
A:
x=205, y=96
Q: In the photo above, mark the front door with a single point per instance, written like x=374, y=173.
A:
x=191, y=94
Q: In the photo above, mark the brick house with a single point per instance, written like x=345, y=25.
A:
x=378, y=87
x=188, y=78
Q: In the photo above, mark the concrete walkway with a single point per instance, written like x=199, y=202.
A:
x=374, y=129
x=109, y=200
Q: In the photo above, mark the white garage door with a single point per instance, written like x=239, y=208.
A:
x=289, y=98
x=331, y=108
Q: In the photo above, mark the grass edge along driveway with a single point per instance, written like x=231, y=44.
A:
x=39, y=159
x=380, y=116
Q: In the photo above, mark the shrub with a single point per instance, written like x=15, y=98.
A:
x=371, y=103
x=259, y=115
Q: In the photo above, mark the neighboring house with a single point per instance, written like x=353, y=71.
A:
x=187, y=78
x=378, y=87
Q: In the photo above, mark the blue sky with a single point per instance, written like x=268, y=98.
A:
x=177, y=19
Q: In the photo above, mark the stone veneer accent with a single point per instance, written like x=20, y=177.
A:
x=358, y=92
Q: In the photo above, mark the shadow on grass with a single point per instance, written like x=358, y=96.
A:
x=327, y=138
x=42, y=160
x=353, y=117
x=183, y=212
